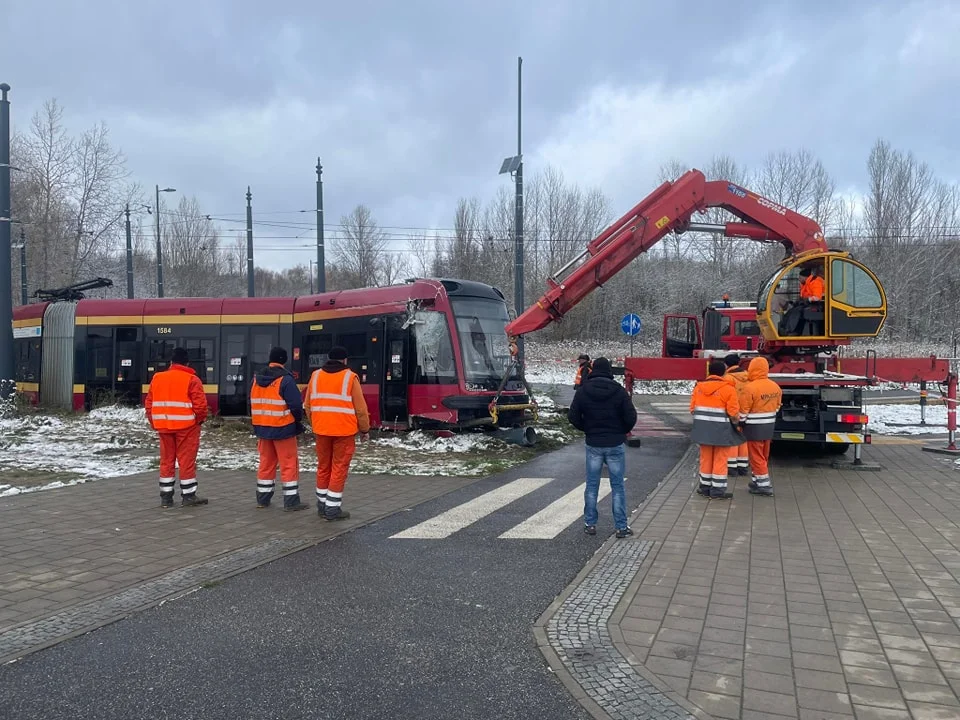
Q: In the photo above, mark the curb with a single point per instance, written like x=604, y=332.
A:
x=552, y=657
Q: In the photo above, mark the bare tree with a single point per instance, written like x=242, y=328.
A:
x=799, y=181
x=420, y=249
x=359, y=252
x=192, y=256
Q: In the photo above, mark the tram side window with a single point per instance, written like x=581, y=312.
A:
x=200, y=356
x=159, y=354
x=315, y=350
x=28, y=359
x=434, y=351
x=356, y=346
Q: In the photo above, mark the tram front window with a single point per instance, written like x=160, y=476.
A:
x=483, y=343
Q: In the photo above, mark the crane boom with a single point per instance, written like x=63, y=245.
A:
x=667, y=209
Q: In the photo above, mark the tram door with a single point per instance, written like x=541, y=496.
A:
x=396, y=347
x=113, y=366
x=246, y=351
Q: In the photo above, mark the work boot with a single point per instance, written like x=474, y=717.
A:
x=293, y=508
x=340, y=514
x=752, y=485
x=765, y=490
x=590, y=529
x=624, y=532
x=703, y=490
x=192, y=500
x=743, y=472
x=166, y=501
x=718, y=494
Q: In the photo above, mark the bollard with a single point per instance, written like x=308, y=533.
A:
x=923, y=402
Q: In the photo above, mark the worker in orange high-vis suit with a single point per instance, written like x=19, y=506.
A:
x=761, y=400
x=583, y=370
x=812, y=288
x=739, y=461
x=276, y=411
x=716, y=411
x=176, y=407
x=337, y=413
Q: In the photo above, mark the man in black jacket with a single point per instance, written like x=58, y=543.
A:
x=603, y=410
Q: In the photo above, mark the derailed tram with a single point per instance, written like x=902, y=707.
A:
x=430, y=354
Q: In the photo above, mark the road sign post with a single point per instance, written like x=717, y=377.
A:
x=630, y=325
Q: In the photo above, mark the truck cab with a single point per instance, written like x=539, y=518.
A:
x=724, y=325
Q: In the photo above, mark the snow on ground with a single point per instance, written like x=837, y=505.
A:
x=905, y=419
x=44, y=451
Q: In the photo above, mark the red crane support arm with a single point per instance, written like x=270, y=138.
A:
x=667, y=209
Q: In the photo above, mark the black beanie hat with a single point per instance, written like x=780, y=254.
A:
x=338, y=353
x=180, y=356
x=731, y=360
x=602, y=365
x=278, y=355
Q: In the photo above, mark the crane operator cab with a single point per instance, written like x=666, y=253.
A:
x=821, y=299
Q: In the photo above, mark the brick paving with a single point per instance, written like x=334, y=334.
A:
x=837, y=598
x=67, y=548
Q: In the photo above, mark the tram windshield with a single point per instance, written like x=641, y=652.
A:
x=483, y=342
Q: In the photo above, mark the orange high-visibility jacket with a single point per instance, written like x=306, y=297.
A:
x=715, y=408
x=812, y=288
x=580, y=370
x=267, y=406
x=176, y=400
x=739, y=378
x=760, y=402
x=336, y=404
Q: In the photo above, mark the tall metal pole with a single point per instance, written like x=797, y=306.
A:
x=518, y=215
x=23, y=267
x=321, y=268
x=159, y=250
x=6, y=301
x=250, y=289
x=129, y=256
x=311, y=276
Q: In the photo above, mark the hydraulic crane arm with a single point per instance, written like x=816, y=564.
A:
x=667, y=209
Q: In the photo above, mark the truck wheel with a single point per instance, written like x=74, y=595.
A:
x=837, y=448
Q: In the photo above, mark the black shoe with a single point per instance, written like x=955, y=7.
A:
x=166, y=502
x=294, y=508
x=624, y=532
x=703, y=491
x=341, y=515
x=752, y=485
x=721, y=495
x=192, y=501
x=743, y=472
x=766, y=490
x=590, y=529
x=261, y=506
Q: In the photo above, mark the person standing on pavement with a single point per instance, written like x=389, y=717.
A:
x=716, y=413
x=739, y=461
x=583, y=370
x=276, y=411
x=337, y=413
x=176, y=408
x=761, y=400
x=604, y=411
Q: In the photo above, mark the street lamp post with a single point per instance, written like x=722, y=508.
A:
x=6, y=302
x=514, y=166
x=23, y=267
x=159, y=249
x=311, y=276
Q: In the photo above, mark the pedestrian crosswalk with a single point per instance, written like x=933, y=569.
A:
x=679, y=408
x=545, y=524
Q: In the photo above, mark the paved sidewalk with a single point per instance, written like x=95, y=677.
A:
x=68, y=548
x=838, y=598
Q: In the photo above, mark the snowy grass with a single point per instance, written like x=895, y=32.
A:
x=44, y=451
x=905, y=419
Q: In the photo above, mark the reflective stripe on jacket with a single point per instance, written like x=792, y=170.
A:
x=175, y=400
x=715, y=408
x=332, y=411
x=267, y=407
x=761, y=402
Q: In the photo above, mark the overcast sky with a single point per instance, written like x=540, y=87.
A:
x=413, y=104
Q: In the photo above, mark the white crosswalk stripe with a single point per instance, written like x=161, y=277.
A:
x=555, y=517
x=454, y=519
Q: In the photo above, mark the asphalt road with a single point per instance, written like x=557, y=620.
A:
x=362, y=626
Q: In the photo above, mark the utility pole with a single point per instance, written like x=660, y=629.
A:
x=23, y=267
x=159, y=249
x=7, y=378
x=518, y=215
x=129, y=256
x=250, y=288
x=311, y=276
x=321, y=267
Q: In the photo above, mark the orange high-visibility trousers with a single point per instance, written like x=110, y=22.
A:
x=760, y=461
x=273, y=453
x=738, y=462
x=179, y=448
x=713, y=467
x=333, y=463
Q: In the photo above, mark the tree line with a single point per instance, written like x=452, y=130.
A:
x=69, y=192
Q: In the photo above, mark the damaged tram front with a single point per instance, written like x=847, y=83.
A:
x=431, y=354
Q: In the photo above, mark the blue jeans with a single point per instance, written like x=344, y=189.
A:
x=614, y=458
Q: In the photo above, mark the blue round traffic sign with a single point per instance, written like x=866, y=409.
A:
x=631, y=324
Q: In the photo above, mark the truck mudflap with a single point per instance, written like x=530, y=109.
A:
x=827, y=437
